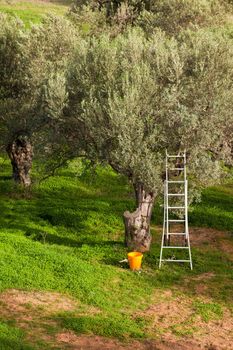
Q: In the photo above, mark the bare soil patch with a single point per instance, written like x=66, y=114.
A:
x=31, y=312
x=227, y=248
x=204, y=276
x=200, y=237
x=203, y=237
x=175, y=318
x=101, y=343
x=170, y=314
x=200, y=285
x=46, y=302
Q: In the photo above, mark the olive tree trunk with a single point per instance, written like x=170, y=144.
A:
x=137, y=224
x=20, y=152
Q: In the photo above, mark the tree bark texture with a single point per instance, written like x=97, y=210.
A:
x=137, y=224
x=20, y=152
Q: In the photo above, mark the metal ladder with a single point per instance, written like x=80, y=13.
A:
x=182, y=194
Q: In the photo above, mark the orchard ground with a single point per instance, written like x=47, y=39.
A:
x=62, y=283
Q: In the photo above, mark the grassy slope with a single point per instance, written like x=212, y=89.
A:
x=67, y=235
x=32, y=11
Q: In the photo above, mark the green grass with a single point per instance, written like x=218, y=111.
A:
x=66, y=235
x=31, y=12
x=208, y=311
x=215, y=209
x=12, y=338
x=118, y=325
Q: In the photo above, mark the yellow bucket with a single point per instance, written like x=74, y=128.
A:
x=135, y=260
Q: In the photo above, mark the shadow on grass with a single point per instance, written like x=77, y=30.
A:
x=64, y=209
x=11, y=344
x=5, y=177
x=112, y=326
x=215, y=209
x=47, y=238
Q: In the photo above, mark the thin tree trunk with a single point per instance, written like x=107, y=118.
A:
x=20, y=152
x=137, y=224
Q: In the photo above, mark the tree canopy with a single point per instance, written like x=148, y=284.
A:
x=120, y=84
x=132, y=97
x=172, y=16
x=32, y=65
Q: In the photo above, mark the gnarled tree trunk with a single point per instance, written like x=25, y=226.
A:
x=20, y=152
x=137, y=224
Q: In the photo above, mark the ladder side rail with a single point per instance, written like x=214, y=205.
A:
x=186, y=209
x=185, y=174
x=185, y=197
x=166, y=198
x=190, y=254
x=164, y=222
x=167, y=211
x=186, y=223
x=186, y=213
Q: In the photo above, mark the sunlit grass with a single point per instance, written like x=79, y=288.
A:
x=32, y=11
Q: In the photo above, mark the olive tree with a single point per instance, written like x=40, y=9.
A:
x=171, y=16
x=32, y=64
x=131, y=98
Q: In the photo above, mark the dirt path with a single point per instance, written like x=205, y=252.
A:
x=204, y=237
x=178, y=318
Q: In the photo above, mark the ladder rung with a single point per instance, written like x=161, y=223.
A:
x=171, y=247
x=176, y=233
x=176, y=220
x=175, y=156
x=176, y=194
x=176, y=182
x=176, y=260
x=176, y=207
x=173, y=169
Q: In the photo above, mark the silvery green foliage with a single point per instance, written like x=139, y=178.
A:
x=88, y=19
x=33, y=65
x=173, y=16
x=131, y=99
